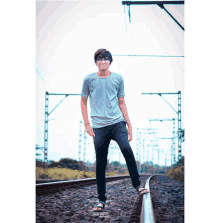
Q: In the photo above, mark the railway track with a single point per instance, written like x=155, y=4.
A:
x=72, y=201
x=48, y=186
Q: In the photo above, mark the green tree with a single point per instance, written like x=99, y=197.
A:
x=69, y=163
x=115, y=163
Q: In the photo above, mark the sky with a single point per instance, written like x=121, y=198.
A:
x=67, y=35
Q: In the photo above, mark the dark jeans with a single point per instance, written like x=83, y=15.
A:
x=117, y=132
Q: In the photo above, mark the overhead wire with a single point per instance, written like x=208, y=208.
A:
x=126, y=28
x=42, y=79
x=146, y=55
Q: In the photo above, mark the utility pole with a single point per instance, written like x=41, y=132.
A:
x=165, y=161
x=85, y=146
x=159, y=3
x=119, y=151
x=173, y=147
x=153, y=145
x=46, y=128
x=174, y=144
x=179, y=117
x=137, y=142
x=46, y=120
x=80, y=140
x=140, y=132
x=169, y=145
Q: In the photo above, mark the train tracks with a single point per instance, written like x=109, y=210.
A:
x=72, y=201
x=48, y=186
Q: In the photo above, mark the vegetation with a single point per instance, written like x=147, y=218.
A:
x=115, y=163
x=65, y=163
x=176, y=172
x=64, y=173
x=67, y=168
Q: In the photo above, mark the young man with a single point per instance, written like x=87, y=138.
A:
x=109, y=117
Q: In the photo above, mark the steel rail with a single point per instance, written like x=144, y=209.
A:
x=42, y=188
x=67, y=182
x=40, y=181
x=147, y=213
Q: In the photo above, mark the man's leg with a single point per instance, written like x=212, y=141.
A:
x=120, y=135
x=101, y=142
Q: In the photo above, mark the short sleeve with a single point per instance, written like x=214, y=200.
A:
x=85, y=88
x=121, y=92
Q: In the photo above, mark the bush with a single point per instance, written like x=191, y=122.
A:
x=64, y=173
x=64, y=163
x=110, y=174
x=44, y=176
x=176, y=173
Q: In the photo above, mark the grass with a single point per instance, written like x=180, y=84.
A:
x=64, y=173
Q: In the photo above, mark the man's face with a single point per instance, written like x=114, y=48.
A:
x=103, y=63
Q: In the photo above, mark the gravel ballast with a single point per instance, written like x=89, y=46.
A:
x=167, y=197
x=75, y=204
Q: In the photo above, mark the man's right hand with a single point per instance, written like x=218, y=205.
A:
x=89, y=130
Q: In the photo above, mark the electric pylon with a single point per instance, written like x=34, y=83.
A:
x=80, y=140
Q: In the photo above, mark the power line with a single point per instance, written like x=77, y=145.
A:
x=152, y=2
x=39, y=74
x=146, y=55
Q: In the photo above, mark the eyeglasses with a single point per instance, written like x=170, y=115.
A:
x=105, y=58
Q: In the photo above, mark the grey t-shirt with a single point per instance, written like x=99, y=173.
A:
x=103, y=94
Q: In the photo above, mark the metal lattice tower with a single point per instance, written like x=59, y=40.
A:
x=120, y=156
x=159, y=151
x=148, y=149
x=148, y=152
x=112, y=148
x=153, y=150
x=137, y=142
x=173, y=146
x=110, y=153
x=166, y=160
x=153, y=142
x=85, y=145
x=46, y=128
x=140, y=134
x=144, y=151
x=179, y=117
x=46, y=121
x=94, y=156
x=139, y=148
x=148, y=146
x=80, y=139
x=179, y=127
x=116, y=148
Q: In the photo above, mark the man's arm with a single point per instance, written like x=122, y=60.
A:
x=123, y=108
x=88, y=127
x=84, y=110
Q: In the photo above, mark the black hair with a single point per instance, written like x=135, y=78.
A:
x=102, y=53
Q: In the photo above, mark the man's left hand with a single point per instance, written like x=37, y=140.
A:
x=129, y=133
